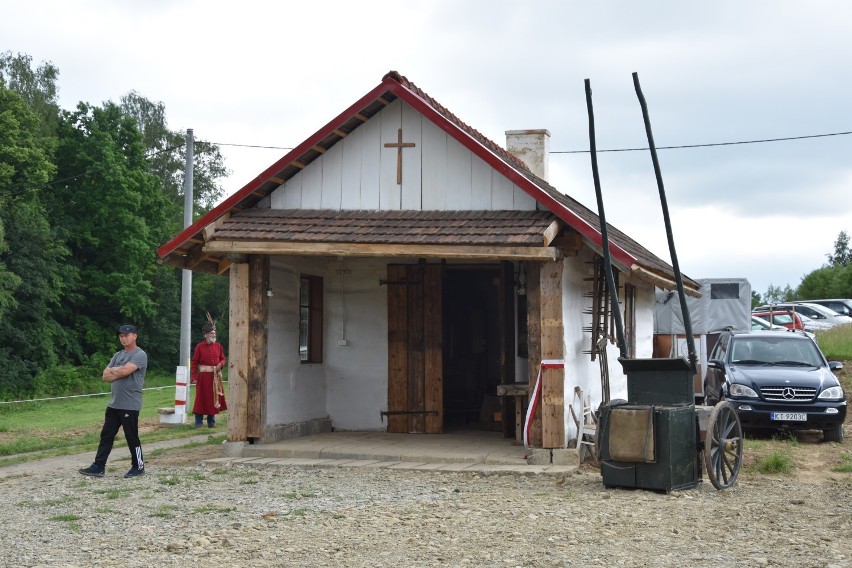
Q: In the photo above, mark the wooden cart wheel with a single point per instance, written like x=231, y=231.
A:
x=723, y=446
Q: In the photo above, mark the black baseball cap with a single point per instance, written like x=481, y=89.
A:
x=126, y=328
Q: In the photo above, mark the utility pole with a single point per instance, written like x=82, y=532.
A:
x=186, y=280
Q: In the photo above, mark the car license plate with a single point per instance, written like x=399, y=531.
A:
x=789, y=416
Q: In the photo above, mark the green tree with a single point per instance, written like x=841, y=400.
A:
x=29, y=251
x=167, y=152
x=37, y=86
x=776, y=294
x=842, y=254
x=833, y=280
x=113, y=215
x=166, y=159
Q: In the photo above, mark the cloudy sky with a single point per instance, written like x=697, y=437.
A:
x=272, y=73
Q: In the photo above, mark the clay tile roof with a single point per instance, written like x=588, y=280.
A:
x=519, y=228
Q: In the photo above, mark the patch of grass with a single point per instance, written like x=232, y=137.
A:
x=300, y=512
x=35, y=430
x=104, y=510
x=169, y=480
x=836, y=343
x=845, y=466
x=775, y=462
x=67, y=518
x=113, y=492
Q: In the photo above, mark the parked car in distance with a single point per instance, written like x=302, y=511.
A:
x=782, y=318
x=776, y=380
x=839, y=305
x=758, y=323
x=813, y=311
x=761, y=324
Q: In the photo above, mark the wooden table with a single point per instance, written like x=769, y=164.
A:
x=519, y=392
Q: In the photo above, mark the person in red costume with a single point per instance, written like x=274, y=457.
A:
x=208, y=359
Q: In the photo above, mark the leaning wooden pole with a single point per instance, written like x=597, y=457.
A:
x=687, y=323
x=613, y=293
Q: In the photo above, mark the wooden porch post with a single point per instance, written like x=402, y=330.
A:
x=552, y=342
x=534, y=341
x=257, y=345
x=238, y=356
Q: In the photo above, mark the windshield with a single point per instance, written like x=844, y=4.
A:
x=787, y=350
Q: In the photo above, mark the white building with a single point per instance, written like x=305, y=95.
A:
x=395, y=267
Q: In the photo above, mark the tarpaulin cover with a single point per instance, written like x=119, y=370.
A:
x=724, y=302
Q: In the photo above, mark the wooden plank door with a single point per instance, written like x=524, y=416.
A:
x=415, y=355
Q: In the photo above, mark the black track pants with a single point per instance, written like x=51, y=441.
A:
x=128, y=420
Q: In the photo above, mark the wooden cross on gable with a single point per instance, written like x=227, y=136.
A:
x=399, y=145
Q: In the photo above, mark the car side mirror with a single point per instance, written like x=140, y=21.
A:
x=714, y=364
x=835, y=365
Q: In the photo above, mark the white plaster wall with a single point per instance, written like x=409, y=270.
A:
x=295, y=391
x=356, y=373
x=580, y=370
x=350, y=385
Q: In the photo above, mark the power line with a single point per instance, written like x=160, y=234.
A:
x=678, y=147
x=12, y=191
x=709, y=145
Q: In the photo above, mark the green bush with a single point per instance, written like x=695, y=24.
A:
x=63, y=380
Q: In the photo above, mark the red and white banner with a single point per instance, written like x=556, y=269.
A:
x=535, y=397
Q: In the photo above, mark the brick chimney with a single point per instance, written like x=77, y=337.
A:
x=532, y=147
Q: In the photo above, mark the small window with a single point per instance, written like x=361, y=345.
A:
x=310, y=319
x=729, y=291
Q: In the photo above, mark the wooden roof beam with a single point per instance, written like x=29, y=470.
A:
x=469, y=252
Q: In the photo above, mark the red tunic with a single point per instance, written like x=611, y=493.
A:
x=209, y=354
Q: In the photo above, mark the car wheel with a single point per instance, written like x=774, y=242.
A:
x=833, y=434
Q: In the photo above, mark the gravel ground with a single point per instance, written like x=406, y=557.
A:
x=274, y=516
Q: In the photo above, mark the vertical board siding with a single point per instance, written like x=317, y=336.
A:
x=458, y=176
x=411, y=190
x=438, y=173
x=332, y=181
x=523, y=201
x=434, y=167
x=350, y=172
x=292, y=192
x=391, y=122
x=312, y=185
x=480, y=184
x=371, y=155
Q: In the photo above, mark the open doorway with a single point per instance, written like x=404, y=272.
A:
x=474, y=345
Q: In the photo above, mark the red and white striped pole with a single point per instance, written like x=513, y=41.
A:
x=178, y=415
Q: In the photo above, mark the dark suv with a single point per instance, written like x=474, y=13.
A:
x=776, y=380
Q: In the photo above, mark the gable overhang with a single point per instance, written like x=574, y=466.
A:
x=188, y=250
